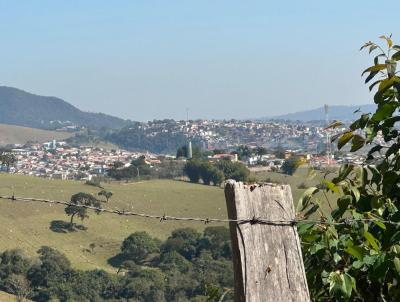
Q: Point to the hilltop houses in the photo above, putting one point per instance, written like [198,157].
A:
[57,160]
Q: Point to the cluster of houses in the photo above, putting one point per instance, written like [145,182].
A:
[58,160]
[228,134]
[272,163]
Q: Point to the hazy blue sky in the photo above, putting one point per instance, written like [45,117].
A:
[222,59]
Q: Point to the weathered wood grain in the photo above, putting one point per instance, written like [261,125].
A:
[267,259]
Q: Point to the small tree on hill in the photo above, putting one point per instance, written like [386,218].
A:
[7,159]
[217,177]
[106,194]
[192,170]
[77,201]
[233,170]
[244,152]
[291,165]
[260,151]
[206,171]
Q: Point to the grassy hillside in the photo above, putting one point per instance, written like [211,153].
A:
[26,225]
[296,182]
[10,134]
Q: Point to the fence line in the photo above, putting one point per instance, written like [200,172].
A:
[164,217]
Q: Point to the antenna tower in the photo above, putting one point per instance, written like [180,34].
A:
[328,135]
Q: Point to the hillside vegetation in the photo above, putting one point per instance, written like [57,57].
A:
[10,134]
[18,107]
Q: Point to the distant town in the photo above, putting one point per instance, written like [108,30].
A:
[221,139]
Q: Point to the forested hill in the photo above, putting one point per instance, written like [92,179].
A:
[138,139]
[18,107]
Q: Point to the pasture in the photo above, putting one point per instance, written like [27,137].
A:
[27,225]
[30,225]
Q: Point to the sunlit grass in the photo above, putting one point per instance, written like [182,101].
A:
[26,225]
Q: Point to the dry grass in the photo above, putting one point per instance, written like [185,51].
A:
[5,297]
[10,134]
[26,225]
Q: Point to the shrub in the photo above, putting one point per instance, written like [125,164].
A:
[138,246]
[184,241]
[95,182]
[233,170]
[302,186]
[192,170]
[291,164]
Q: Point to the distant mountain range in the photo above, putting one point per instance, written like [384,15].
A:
[21,108]
[342,113]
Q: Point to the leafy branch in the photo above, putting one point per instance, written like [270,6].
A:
[360,260]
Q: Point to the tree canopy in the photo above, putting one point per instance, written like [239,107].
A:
[291,164]
[77,201]
[138,246]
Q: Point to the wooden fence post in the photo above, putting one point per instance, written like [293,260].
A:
[267,259]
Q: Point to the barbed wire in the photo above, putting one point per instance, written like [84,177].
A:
[164,217]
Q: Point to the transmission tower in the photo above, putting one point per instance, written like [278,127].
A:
[328,135]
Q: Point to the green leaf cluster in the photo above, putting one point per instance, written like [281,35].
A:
[354,254]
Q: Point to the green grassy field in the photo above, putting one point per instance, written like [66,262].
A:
[26,225]
[299,178]
[294,181]
[10,134]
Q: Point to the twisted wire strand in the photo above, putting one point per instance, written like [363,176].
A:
[164,217]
